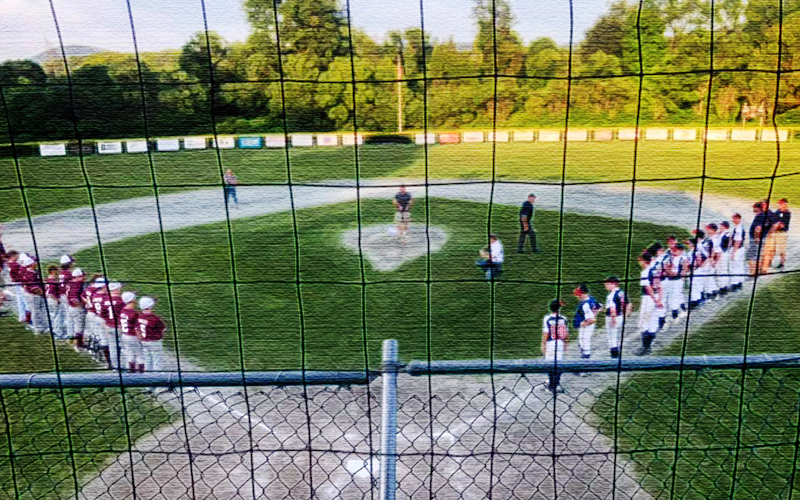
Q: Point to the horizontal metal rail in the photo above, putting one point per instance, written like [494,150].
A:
[185,379]
[628,364]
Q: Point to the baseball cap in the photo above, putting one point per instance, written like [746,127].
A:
[114,286]
[580,290]
[128,297]
[66,259]
[99,281]
[77,272]
[26,261]
[146,303]
[612,279]
[555,305]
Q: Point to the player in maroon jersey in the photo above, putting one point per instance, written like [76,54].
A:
[64,275]
[76,312]
[110,314]
[128,328]
[52,293]
[96,329]
[34,295]
[12,262]
[151,332]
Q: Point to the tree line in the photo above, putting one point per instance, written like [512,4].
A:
[253,87]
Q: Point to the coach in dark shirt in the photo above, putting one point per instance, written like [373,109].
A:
[782,216]
[526,225]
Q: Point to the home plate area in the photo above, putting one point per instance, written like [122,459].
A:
[386,249]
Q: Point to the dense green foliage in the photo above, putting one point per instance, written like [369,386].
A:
[240,83]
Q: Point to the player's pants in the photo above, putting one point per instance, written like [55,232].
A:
[723,270]
[19,295]
[132,347]
[114,349]
[554,351]
[709,279]
[738,269]
[585,339]
[76,321]
[152,349]
[93,327]
[648,318]
[35,304]
[661,312]
[63,304]
[57,317]
[492,269]
[523,234]
[612,334]
[230,192]
[676,296]
[696,285]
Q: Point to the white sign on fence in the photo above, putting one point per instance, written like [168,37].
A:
[472,136]
[275,141]
[768,135]
[603,135]
[302,140]
[684,134]
[327,140]
[549,135]
[53,149]
[194,143]
[628,134]
[523,136]
[656,134]
[580,135]
[109,148]
[429,138]
[136,146]
[168,144]
[499,136]
[224,142]
[716,135]
[352,139]
[743,135]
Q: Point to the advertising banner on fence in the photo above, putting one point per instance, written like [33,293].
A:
[603,135]
[224,142]
[499,136]
[743,135]
[523,136]
[275,141]
[449,138]
[684,134]
[249,142]
[578,135]
[194,143]
[168,144]
[351,139]
[327,140]
[472,137]
[109,148]
[136,146]
[768,135]
[656,134]
[628,134]
[53,149]
[429,138]
[302,140]
[716,135]
[549,136]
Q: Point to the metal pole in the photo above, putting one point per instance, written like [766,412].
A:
[399,93]
[389,421]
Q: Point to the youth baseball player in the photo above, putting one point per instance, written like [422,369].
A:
[648,316]
[695,257]
[151,332]
[64,275]
[76,312]
[403,201]
[128,327]
[52,295]
[738,261]
[679,268]
[14,276]
[724,263]
[585,319]
[617,309]
[659,264]
[93,329]
[111,308]
[555,335]
[99,297]
[34,295]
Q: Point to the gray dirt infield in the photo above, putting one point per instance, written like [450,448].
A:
[221,430]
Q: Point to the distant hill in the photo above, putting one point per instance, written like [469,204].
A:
[70,50]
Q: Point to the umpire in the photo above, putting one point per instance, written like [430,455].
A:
[526,225]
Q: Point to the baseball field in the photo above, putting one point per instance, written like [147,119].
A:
[343,322]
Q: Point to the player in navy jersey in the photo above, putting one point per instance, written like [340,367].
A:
[738,266]
[617,309]
[585,319]
[555,336]
[678,270]
[659,264]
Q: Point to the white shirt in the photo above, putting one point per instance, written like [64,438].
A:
[644,277]
[738,233]
[611,306]
[496,252]
[587,311]
[716,243]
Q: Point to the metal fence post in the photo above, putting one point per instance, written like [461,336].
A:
[389,421]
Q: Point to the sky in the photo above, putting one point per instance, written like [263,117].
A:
[27,26]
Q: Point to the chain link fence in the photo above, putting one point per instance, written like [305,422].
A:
[644,429]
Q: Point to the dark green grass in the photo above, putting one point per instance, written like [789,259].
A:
[394,303]
[717,406]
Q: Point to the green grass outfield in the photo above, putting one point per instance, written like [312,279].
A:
[54,184]
[710,408]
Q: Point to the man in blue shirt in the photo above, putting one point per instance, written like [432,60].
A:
[526,225]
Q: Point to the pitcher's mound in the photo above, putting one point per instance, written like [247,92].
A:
[387,251]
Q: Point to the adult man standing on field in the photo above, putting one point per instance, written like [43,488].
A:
[231,181]
[403,201]
[526,225]
[758,229]
[782,219]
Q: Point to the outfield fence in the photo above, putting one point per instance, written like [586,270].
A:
[440,429]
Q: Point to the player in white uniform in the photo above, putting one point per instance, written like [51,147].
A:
[678,269]
[585,319]
[648,315]
[738,264]
[711,247]
[696,258]
[660,264]
[724,263]
[617,308]
[555,335]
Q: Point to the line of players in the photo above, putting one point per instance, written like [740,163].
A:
[712,264]
[94,315]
